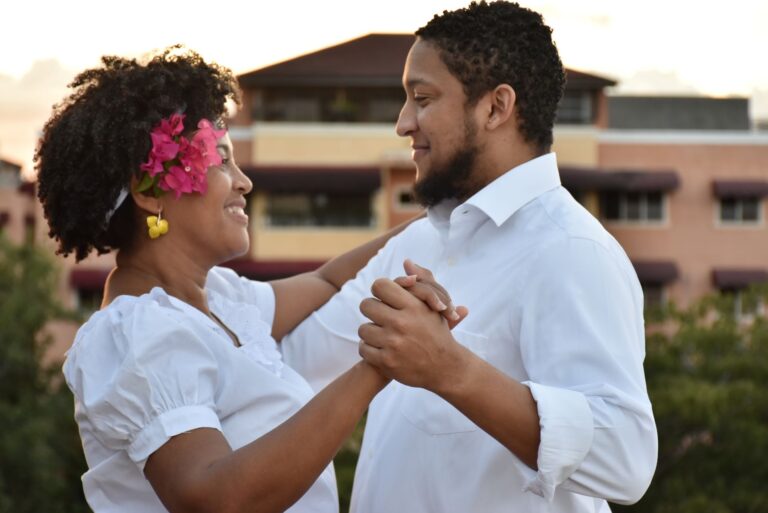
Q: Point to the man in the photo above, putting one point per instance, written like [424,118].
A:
[537,400]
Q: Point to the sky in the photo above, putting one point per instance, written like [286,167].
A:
[650,46]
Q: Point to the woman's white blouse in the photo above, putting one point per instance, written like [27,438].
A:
[147,368]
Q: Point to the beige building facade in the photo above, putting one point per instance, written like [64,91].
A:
[682,190]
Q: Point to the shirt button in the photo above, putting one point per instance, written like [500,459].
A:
[450,261]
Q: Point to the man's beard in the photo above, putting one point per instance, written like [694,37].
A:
[452,178]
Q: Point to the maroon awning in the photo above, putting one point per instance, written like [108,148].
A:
[93,279]
[581,179]
[656,272]
[341,180]
[88,279]
[740,188]
[264,270]
[733,279]
[28,188]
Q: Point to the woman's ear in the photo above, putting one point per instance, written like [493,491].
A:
[143,201]
[502,106]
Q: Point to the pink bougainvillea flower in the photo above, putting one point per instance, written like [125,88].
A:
[179,164]
[164,148]
[176,180]
[173,125]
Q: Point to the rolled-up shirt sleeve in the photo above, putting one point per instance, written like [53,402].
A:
[582,343]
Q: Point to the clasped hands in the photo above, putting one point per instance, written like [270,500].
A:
[409,337]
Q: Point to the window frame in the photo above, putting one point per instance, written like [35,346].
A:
[739,223]
[643,220]
[268,222]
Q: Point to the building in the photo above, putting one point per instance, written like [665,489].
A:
[316,136]
[705,228]
[17,203]
[678,181]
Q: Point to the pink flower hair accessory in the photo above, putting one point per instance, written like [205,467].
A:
[177,163]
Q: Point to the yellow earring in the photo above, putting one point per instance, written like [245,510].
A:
[157,225]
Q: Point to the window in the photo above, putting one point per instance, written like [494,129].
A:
[746,305]
[319,209]
[404,199]
[327,104]
[384,110]
[632,206]
[575,108]
[740,210]
[293,109]
[654,296]
[89,300]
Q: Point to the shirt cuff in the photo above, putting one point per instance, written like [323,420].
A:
[167,425]
[565,419]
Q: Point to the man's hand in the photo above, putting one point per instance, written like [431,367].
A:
[407,340]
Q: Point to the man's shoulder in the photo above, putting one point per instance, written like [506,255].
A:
[568,219]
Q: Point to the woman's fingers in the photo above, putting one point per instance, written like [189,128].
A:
[434,296]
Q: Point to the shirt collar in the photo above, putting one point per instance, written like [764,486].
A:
[501,198]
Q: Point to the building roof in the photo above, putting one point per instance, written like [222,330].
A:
[7,165]
[370,60]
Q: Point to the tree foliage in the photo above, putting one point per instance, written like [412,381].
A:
[707,373]
[40,455]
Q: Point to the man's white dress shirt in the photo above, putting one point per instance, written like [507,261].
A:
[554,302]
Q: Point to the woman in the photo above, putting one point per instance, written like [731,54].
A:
[181,396]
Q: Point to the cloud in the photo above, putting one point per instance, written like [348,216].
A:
[25,105]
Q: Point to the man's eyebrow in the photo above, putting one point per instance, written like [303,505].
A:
[413,82]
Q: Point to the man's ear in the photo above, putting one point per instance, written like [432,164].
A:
[502,102]
[145,202]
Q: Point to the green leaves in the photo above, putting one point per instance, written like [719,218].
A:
[145,183]
[707,374]
[40,455]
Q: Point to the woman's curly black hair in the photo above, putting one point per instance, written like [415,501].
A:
[99,135]
[485,45]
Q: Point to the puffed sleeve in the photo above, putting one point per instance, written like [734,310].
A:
[142,375]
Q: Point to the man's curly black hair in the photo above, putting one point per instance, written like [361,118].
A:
[99,135]
[485,45]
